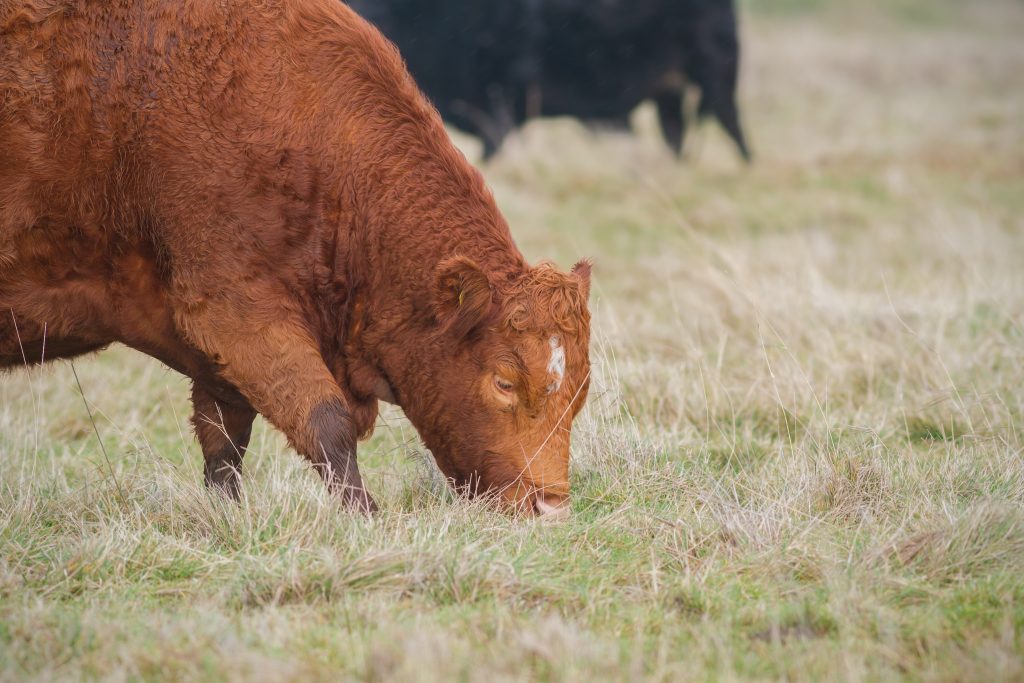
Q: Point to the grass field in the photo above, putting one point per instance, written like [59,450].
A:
[801,459]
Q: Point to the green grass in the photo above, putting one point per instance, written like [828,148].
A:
[801,459]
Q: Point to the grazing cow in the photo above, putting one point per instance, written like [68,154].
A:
[258,195]
[491,66]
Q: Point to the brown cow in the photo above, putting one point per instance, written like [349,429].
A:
[257,194]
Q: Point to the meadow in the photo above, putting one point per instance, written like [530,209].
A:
[801,458]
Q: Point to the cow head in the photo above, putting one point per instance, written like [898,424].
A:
[513,371]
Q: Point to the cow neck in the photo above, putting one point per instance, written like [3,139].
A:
[412,201]
[434,209]
[421,202]
[430,207]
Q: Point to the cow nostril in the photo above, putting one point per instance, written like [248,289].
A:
[551,507]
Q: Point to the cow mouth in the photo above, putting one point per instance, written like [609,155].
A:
[550,507]
[533,502]
[519,497]
[536,502]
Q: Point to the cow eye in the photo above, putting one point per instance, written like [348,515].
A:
[503,384]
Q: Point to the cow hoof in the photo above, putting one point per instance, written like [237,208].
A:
[226,482]
[360,501]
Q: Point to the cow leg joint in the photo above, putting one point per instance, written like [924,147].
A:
[223,431]
[333,454]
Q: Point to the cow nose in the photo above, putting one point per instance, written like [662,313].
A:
[551,507]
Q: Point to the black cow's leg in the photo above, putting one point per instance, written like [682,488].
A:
[728,115]
[481,124]
[670,116]
[723,106]
[491,145]
[223,431]
[493,134]
[736,131]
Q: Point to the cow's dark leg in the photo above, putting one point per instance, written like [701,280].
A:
[491,145]
[723,106]
[334,434]
[491,124]
[502,121]
[492,132]
[729,117]
[670,116]
[280,371]
[223,430]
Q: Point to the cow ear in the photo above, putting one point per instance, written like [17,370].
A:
[582,272]
[462,296]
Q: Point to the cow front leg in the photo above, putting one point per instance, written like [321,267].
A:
[223,430]
[280,371]
[672,121]
[334,434]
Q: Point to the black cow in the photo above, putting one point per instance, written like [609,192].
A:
[490,66]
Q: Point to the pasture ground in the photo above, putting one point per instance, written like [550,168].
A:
[802,457]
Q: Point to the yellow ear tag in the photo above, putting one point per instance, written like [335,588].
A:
[462,295]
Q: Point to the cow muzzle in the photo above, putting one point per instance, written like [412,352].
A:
[551,507]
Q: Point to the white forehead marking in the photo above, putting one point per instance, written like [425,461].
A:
[556,366]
